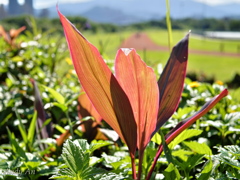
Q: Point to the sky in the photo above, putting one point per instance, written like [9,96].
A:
[38,4]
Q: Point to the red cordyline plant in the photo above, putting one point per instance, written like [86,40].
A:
[132,101]
[10,37]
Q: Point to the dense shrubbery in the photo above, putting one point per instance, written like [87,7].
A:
[39,63]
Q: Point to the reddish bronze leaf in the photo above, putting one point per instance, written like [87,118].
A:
[46,131]
[100,85]
[189,121]
[85,108]
[171,81]
[140,84]
[90,128]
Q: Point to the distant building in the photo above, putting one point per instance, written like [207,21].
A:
[14,8]
[28,7]
[3,12]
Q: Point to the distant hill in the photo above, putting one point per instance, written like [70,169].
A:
[110,15]
[130,11]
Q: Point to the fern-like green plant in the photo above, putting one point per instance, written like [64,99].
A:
[228,161]
[77,158]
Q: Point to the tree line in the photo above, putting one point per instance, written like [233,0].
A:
[209,24]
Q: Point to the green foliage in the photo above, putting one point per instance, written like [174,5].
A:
[228,161]
[171,173]
[76,156]
[17,162]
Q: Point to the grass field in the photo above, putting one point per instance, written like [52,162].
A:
[221,67]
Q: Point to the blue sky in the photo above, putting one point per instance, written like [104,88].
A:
[46,3]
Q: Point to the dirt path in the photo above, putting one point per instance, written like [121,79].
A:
[141,41]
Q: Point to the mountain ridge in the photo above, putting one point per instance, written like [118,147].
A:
[130,11]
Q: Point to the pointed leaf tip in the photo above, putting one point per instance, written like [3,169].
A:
[126,51]
[181,48]
[171,81]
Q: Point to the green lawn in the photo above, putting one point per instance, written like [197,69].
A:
[196,43]
[221,67]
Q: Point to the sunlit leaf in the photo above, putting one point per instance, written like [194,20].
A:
[186,134]
[207,170]
[171,81]
[32,128]
[98,81]
[86,108]
[60,99]
[171,173]
[140,84]
[98,144]
[201,148]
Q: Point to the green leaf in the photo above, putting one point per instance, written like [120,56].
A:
[199,148]
[46,122]
[182,154]
[98,144]
[60,99]
[32,164]
[82,144]
[233,149]
[166,150]
[149,153]
[15,145]
[233,174]
[60,128]
[22,128]
[206,172]
[61,106]
[110,176]
[16,163]
[17,59]
[31,130]
[109,161]
[229,155]
[157,139]
[171,173]
[77,158]
[182,113]
[190,163]
[4,165]
[186,134]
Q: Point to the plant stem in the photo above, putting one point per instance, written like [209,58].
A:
[169,26]
[70,124]
[133,166]
[141,154]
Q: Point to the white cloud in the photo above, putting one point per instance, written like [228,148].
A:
[218,2]
[38,4]
[46,3]
[5,2]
